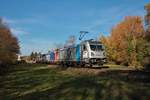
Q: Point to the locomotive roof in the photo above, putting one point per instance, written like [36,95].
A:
[91,41]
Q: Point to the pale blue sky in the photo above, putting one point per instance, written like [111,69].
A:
[41,24]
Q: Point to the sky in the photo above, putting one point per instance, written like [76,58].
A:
[41,25]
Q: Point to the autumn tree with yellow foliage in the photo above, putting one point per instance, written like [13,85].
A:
[125,45]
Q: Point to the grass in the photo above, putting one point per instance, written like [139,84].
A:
[41,82]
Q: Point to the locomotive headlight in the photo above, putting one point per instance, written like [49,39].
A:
[92,54]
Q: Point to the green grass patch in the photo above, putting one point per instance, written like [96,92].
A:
[40,82]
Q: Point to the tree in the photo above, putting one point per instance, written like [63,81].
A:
[147,16]
[123,43]
[9,47]
[133,33]
[34,56]
[146,60]
[147,20]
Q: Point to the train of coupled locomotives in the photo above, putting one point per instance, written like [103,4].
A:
[88,52]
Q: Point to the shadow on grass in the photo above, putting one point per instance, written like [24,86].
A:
[139,76]
[39,83]
[92,88]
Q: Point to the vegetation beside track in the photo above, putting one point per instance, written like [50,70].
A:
[33,82]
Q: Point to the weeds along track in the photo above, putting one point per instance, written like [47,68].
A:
[89,70]
[125,73]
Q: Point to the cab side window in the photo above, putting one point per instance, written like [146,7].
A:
[84,48]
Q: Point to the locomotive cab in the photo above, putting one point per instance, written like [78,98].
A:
[93,52]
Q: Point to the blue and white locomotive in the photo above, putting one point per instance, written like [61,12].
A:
[88,52]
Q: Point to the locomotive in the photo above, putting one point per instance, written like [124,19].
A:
[87,53]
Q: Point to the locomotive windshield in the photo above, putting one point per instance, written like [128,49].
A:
[96,47]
